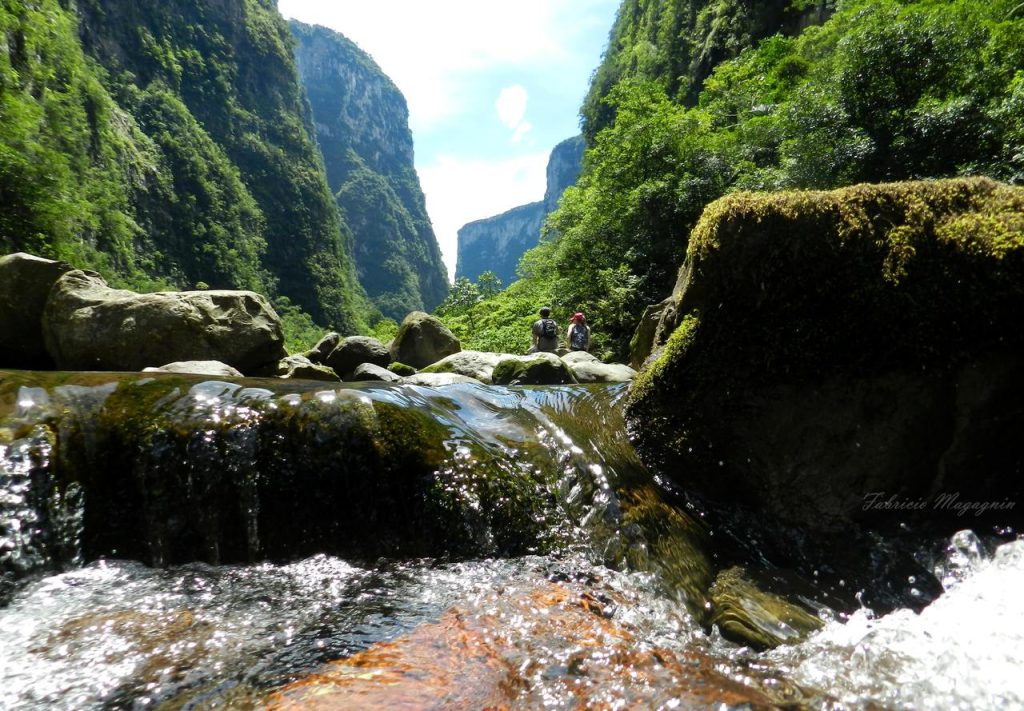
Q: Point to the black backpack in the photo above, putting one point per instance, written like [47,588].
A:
[578,339]
[548,328]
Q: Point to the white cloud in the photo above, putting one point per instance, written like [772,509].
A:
[521,130]
[511,105]
[460,191]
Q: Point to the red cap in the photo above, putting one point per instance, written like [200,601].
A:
[577,317]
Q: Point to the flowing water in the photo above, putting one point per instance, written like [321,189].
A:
[565,603]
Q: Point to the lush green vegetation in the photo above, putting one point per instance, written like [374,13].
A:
[167,145]
[884,90]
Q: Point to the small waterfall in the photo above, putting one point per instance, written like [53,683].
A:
[180,542]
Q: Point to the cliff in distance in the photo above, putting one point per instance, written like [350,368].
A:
[362,126]
[496,243]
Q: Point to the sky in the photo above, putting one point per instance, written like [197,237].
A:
[492,86]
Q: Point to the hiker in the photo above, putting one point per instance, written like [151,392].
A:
[545,333]
[577,338]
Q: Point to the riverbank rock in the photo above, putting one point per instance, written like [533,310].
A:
[198,367]
[478,365]
[369,371]
[25,283]
[323,347]
[422,339]
[433,380]
[89,326]
[829,346]
[587,371]
[298,367]
[647,333]
[533,369]
[353,351]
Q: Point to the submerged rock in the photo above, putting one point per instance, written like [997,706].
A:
[747,615]
[423,339]
[25,283]
[89,326]
[833,346]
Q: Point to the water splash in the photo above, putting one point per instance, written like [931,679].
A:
[964,651]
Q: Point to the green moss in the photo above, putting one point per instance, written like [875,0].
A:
[402,369]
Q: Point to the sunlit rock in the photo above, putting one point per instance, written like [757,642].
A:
[423,339]
[89,326]
[533,369]
[198,367]
[478,365]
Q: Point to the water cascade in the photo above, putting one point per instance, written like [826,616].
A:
[177,542]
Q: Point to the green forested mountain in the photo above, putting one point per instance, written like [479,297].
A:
[168,144]
[882,90]
[362,124]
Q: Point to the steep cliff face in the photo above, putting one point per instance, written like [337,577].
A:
[362,125]
[168,144]
[679,42]
[496,243]
[563,169]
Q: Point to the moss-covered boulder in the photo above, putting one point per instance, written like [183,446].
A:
[533,369]
[370,372]
[423,339]
[299,367]
[831,346]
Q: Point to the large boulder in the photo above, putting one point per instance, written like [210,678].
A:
[478,365]
[533,369]
[598,372]
[422,339]
[25,283]
[353,351]
[89,326]
[846,356]
[649,333]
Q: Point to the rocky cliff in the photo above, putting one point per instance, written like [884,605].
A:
[170,145]
[496,243]
[362,125]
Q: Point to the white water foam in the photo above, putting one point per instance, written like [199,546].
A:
[963,651]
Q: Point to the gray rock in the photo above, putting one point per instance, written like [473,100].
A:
[89,326]
[433,380]
[371,371]
[598,372]
[478,365]
[298,367]
[25,283]
[533,369]
[198,367]
[422,339]
[575,357]
[323,348]
[356,350]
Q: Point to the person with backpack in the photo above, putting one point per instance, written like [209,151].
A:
[577,338]
[545,333]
